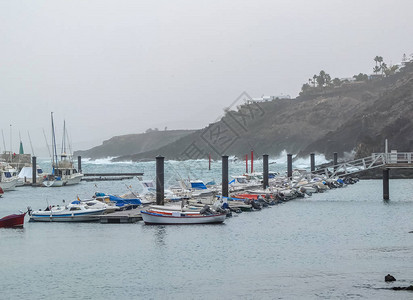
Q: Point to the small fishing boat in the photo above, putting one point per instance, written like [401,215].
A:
[73,212]
[163,217]
[8,178]
[12,221]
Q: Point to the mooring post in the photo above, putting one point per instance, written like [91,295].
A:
[289,165]
[252,161]
[386,177]
[335,160]
[265,170]
[34,170]
[312,162]
[160,180]
[209,167]
[246,163]
[224,176]
[79,164]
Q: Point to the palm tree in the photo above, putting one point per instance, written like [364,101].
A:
[376,69]
[314,79]
[383,68]
[376,59]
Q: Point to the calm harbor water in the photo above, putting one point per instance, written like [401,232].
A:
[335,245]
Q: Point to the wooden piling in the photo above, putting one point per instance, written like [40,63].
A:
[265,171]
[252,161]
[224,176]
[209,166]
[34,170]
[160,174]
[289,165]
[312,162]
[246,163]
[79,164]
[335,160]
[386,177]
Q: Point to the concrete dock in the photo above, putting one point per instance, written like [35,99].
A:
[124,216]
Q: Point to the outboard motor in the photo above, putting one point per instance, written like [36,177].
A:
[206,210]
[255,205]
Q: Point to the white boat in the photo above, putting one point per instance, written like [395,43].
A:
[73,212]
[240,183]
[172,194]
[63,168]
[26,175]
[8,178]
[66,170]
[109,207]
[181,218]
[199,189]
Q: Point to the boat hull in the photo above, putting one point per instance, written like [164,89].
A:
[9,185]
[53,183]
[12,221]
[67,217]
[162,219]
[74,179]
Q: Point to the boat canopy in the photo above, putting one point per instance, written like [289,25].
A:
[198,185]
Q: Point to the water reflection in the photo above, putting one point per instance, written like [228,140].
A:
[160,233]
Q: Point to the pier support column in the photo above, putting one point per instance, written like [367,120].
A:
[224,176]
[160,174]
[386,177]
[289,165]
[34,170]
[79,164]
[335,160]
[252,161]
[312,162]
[265,170]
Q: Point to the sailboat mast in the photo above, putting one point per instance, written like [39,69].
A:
[31,146]
[54,143]
[4,142]
[10,144]
[64,137]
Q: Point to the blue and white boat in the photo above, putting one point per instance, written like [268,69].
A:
[73,212]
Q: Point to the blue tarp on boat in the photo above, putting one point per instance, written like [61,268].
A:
[198,185]
[121,201]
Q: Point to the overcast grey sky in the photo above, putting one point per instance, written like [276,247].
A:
[118,67]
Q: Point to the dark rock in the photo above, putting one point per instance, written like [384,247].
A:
[389,278]
[403,288]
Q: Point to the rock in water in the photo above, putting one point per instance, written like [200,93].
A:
[389,278]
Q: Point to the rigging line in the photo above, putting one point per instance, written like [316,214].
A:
[47,145]
[30,140]
[4,142]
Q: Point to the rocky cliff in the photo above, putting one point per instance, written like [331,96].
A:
[355,118]
[133,143]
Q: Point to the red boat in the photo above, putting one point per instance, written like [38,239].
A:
[12,221]
[1,191]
